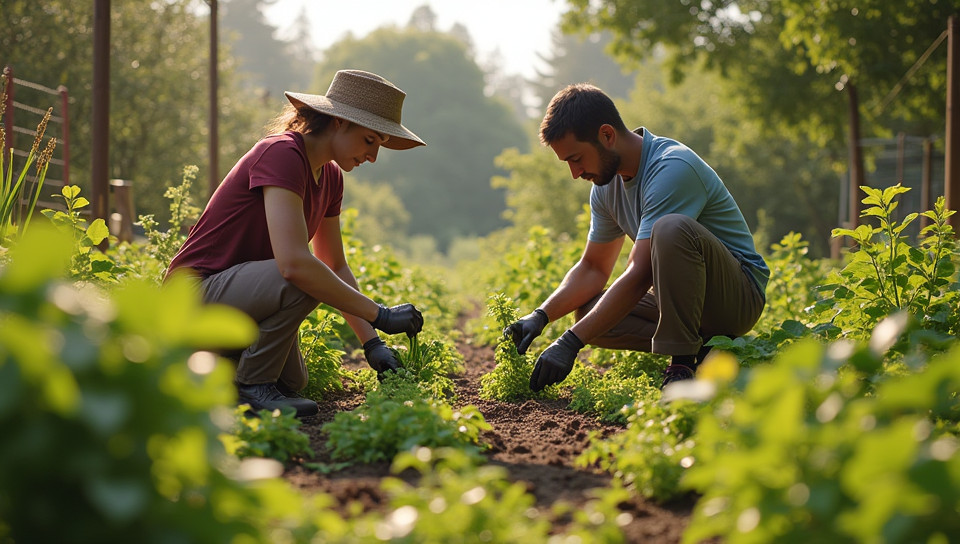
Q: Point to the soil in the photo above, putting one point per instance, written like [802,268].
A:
[535,441]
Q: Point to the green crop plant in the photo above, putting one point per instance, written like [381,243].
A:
[650,457]
[399,416]
[89,263]
[108,406]
[609,395]
[275,435]
[810,451]
[430,363]
[325,372]
[455,500]
[886,274]
[510,379]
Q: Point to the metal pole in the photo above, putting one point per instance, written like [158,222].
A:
[856,157]
[65,133]
[951,181]
[99,177]
[214,108]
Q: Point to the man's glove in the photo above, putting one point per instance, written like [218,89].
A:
[556,361]
[397,319]
[524,330]
[379,356]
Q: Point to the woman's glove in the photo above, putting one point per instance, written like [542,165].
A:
[379,356]
[396,319]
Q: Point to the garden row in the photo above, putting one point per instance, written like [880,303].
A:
[836,421]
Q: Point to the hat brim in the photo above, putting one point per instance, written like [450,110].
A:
[400,136]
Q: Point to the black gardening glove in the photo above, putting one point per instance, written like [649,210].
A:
[556,361]
[524,330]
[379,356]
[397,319]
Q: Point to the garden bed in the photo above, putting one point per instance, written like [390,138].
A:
[536,441]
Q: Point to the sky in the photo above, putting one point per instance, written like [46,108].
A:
[516,30]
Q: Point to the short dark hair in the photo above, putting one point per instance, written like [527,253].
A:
[580,108]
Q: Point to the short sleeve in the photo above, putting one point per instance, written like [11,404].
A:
[603,225]
[281,164]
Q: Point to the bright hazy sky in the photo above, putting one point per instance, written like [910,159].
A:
[517,29]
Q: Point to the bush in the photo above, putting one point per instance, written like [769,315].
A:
[106,405]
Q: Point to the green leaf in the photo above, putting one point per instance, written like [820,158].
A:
[98,231]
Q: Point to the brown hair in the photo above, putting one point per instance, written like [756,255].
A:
[580,108]
[303,120]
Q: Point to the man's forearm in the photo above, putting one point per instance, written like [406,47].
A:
[581,284]
[613,306]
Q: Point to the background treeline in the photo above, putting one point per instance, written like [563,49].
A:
[758,87]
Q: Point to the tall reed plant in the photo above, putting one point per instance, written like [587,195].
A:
[14,216]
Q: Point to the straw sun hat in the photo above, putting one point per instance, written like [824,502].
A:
[366,99]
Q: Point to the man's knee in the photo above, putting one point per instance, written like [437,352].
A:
[671,225]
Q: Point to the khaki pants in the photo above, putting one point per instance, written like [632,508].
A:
[259,290]
[700,290]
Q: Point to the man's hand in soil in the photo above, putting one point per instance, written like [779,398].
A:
[556,362]
[379,356]
[525,329]
[396,319]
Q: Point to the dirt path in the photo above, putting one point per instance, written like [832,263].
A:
[536,441]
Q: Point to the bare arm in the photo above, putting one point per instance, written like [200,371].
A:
[288,236]
[621,297]
[585,280]
[328,247]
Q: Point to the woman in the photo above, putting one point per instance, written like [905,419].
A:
[250,245]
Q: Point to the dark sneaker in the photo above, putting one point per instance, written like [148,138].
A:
[265,396]
[675,373]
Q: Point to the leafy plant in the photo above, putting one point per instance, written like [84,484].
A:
[810,452]
[510,379]
[608,395]
[886,274]
[323,360]
[652,454]
[106,409]
[430,363]
[397,418]
[457,501]
[163,245]
[87,263]
[274,434]
[12,193]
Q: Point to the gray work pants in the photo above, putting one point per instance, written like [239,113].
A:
[700,290]
[259,290]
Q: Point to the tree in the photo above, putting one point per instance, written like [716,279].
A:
[158,82]
[269,64]
[792,55]
[446,185]
[575,59]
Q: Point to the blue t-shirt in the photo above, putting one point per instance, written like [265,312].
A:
[673,179]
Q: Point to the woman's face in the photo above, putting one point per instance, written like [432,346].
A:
[354,144]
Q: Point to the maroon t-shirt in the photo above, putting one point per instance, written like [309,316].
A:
[233,227]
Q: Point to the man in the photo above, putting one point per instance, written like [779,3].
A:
[691,245]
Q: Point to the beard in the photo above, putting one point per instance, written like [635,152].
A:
[609,164]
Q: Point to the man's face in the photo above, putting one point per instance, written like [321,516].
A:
[587,160]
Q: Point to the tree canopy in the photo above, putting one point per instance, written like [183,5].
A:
[446,185]
[158,87]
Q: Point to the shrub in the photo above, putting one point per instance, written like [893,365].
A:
[106,405]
